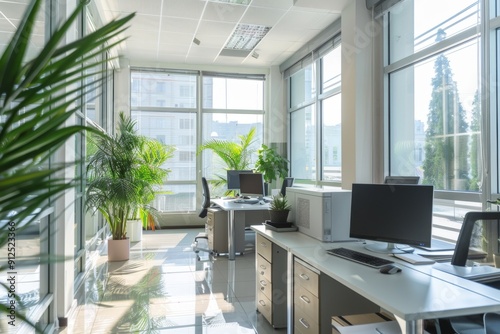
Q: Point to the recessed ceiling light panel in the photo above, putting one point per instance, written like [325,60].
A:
[246,36]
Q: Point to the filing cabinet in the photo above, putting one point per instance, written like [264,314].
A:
[216,228]
[271,281]
[305,298]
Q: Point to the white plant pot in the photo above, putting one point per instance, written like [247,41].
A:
[134,230]
[118,250]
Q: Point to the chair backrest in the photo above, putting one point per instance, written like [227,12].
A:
[287,182]
[463,242]
[206,198]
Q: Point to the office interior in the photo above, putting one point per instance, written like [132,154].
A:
[346,90]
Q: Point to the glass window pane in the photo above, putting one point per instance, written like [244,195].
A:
[230,93]
[331,70]
[434,120]
[160,89]
[332,139]
[415,25]
[302,87]
[179,130]
[303,142]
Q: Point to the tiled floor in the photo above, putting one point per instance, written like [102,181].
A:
[163,288]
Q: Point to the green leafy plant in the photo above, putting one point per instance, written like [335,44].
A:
[123,175]
[234,156]
[151,155]
[279,203]
[270,164]
[37,98]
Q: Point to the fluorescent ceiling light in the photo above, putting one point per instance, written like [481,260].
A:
[246,37]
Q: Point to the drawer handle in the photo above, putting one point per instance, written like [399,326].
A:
[263,283]
[304,277]
[262,267]
[263,244]
[305,299]
[261,302]
[304,322]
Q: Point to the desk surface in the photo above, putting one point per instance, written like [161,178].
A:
[230,204]
[418,292]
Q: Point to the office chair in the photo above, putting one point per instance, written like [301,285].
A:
[488,323]
[206,198]
[287,182]
[203,213]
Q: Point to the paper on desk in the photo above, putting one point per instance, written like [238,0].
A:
[386,327]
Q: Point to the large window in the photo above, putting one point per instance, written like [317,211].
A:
[232,106]
[165,106]
[435,116]
[315,118]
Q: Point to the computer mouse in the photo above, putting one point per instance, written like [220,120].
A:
[390,269]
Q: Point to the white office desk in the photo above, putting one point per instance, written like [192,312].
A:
[415,294]
[231,206]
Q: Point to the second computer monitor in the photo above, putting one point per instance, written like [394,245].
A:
[251,184]
[233,178]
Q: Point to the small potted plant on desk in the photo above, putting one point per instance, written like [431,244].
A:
[278,210]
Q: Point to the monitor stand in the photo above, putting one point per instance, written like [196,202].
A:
[388,248]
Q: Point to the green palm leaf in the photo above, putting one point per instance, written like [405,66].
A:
[38,97]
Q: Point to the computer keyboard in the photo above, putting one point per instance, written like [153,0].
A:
[247,200]
[362,258]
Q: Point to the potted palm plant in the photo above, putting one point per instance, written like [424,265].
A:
[151,156]
[271,164]
[279,209]
[112,183]
[234,155]
[37,100]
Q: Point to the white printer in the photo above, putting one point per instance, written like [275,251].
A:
[322,213]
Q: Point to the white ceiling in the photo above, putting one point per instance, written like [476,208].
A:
[163,30]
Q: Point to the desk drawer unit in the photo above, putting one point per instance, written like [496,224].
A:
[303,324]
[305,298]
[271,281]
[264,248]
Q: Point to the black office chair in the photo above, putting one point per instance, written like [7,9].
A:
[203,213]
[206,198]
[287,182]
[488,323]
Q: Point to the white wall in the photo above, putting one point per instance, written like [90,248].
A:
[361,144]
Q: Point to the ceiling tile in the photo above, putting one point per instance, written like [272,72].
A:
[223,12]
[279,4]
[175,24]
[263,16]
[150,7]
[190,9]
[175,38]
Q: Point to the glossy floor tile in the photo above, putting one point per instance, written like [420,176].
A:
[164,288]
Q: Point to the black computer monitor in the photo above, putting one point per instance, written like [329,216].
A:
[393,214]
[251,184]
[233,178]
[402,179]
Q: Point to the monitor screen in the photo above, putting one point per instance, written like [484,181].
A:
[233,178]
[402,179]
[392,213]
[251,184]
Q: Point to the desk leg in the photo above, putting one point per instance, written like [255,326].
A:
[411,327]
[230,235]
